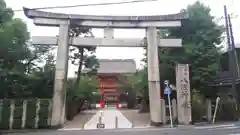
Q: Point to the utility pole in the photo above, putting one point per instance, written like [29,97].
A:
[234,49]
[232,64]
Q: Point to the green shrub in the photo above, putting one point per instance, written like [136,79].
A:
[43,114]
[31,113]
[227,111]
[1,109]
[198,106]
[4,123]
[17,115]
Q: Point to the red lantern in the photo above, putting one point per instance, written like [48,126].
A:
[101,104]
[118,106]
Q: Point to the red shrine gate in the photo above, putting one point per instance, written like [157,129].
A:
[108,72]
[108,88]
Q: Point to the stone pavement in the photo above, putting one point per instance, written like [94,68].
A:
[80,120]
[109,116]
[137,119]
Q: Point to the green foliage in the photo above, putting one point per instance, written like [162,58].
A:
[82,56]
[198,106]
[13,36]
[17,118]
[31,113]
[137,82]
[201,37]
[78,94]
[4,123]
[228,111]
[20,76]
[140,82]
[85,89]
[44,114]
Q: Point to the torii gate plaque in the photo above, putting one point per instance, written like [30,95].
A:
[63,21]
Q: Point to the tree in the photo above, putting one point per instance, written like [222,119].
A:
[37,54]
[201,37]
[78,94]
[142,88]
[13,37]
[137,84]
[82,55]
[43,78]
[84,91]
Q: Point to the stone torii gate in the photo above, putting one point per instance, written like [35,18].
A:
[64,21]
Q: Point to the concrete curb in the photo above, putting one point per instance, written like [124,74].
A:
[55,128]
[27,130]
[198,126]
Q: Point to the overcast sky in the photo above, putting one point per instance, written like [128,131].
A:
[158,7]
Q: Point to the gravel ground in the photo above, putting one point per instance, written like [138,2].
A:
[137,119]
[80,119]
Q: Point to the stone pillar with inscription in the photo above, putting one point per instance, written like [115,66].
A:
[184,108]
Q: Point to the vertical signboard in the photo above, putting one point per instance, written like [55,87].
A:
[183,94]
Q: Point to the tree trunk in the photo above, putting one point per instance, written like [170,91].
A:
[81,105]
[131,99]
[144,108]
[80,50]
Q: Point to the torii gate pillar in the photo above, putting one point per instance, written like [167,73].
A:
[60,81]
[153,77]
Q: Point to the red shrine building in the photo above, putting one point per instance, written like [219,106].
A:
[108,74]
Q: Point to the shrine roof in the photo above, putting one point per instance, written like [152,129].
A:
[33,13]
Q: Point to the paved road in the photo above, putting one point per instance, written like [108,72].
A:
[230,129]
[109,119]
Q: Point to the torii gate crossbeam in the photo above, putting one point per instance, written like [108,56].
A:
[105,42]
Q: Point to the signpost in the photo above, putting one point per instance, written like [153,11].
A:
[167,91]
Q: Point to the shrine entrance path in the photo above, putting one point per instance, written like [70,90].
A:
[80,120]
[109,116]
[139,120]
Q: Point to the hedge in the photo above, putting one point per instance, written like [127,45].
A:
[5,114]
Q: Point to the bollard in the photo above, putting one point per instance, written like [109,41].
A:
[116,122]
[100,117]
[100,123]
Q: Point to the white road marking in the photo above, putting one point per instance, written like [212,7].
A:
[216,126]
[109,120]
[70,129]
